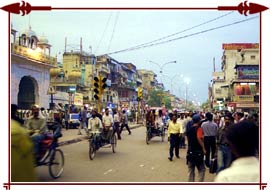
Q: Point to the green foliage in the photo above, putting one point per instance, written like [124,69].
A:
[157,97]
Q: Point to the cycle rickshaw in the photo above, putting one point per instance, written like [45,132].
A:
[97,140]
[49,154]
[152,131]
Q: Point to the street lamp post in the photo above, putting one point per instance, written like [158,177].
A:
[161,66]
[171,80]
[187,81]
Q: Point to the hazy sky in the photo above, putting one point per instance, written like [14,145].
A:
[110,31]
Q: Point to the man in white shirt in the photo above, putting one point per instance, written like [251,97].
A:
[116,120]
[107,121]
[243,139]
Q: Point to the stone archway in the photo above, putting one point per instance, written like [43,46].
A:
[28,92]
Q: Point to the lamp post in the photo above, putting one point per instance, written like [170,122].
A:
[172,78]
[161,66]
[187,81]
[51,91]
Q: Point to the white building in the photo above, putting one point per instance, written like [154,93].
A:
[30,70]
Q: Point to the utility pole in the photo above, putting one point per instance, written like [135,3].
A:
[139,98]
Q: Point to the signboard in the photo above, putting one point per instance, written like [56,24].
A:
[72,89]
[244,98]
[109,82]
[51,90]
[78,99]
[248,72]
[246,105]
[236,46]
[110,105]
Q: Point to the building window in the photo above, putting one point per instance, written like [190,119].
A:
[252,57]
[218,91]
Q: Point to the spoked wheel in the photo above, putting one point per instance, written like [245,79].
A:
[148,136]
[56,164]
[92,151]
[162,134]
[113,143]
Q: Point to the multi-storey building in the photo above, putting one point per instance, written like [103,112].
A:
[73,79]
[30,66]
[237,86]
[149,81]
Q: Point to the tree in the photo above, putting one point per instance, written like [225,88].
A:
[157,97]
[205,105]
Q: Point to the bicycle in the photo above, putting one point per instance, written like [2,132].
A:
[96,141]
[49,154]
[151,132]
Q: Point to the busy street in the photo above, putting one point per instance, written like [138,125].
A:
[133,161]
[136,101]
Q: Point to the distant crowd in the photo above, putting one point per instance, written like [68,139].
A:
[226,143]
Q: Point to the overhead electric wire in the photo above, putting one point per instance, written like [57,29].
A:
[181,37]
[102,36]
[162,38]
[114,26]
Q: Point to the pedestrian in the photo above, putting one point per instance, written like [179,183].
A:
[125,122]
[66,119]
[13,114]
[196,150]
[255,118]
[243,139]
[210,129]
[173,136]
[36,126]
[88,116]
[238,117]
[224,154]
[107,121]
[116,121]
[83,119]
[22,157]
[180,120]
[158,120]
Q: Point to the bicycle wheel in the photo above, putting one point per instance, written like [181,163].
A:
[162,134]
[113,143]
[56,164]
[148,133]
[92,151]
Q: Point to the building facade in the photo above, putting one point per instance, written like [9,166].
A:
[237,86]
[30,69]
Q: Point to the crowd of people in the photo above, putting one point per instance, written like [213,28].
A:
[231,138]
[109,122]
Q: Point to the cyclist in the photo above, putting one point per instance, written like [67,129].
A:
[36,126]
[94,123]
[150,120]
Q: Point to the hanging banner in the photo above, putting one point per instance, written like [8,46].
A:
[78,99]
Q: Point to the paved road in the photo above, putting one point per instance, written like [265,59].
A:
[134,161]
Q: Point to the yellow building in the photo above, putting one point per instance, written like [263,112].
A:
[149,80]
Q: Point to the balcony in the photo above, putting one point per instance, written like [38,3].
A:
[33,54]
